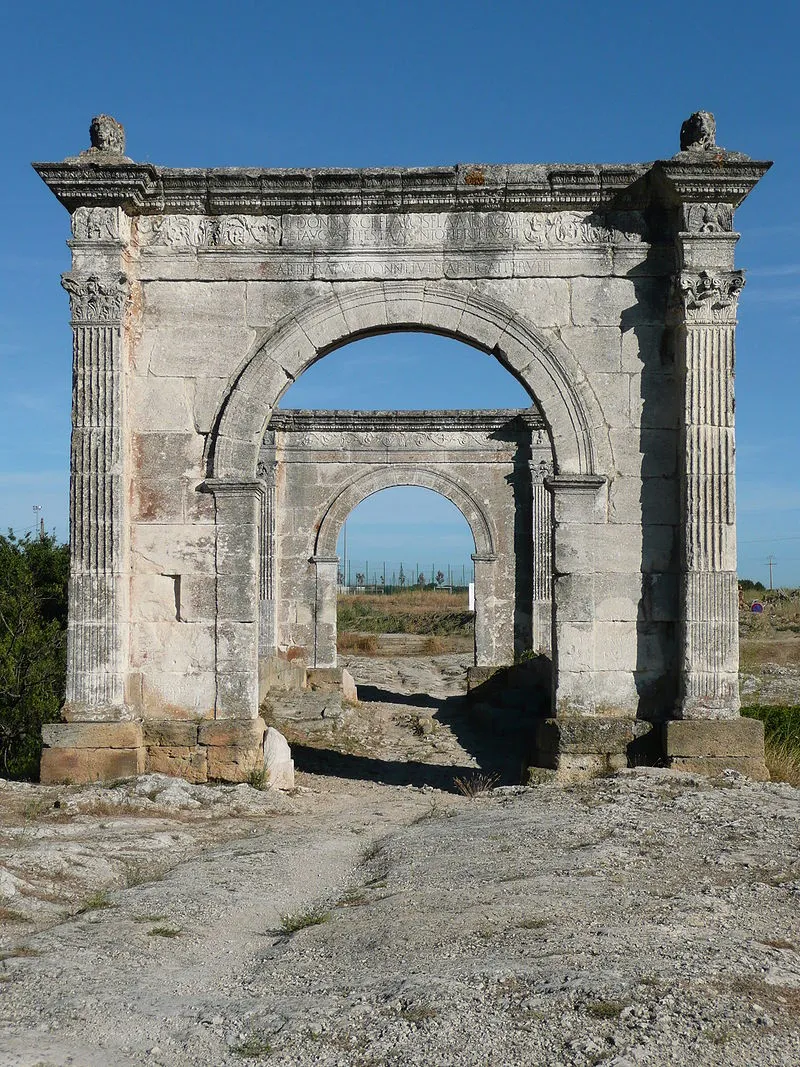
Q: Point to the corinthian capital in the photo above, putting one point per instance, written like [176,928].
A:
[709,296]
[96,301]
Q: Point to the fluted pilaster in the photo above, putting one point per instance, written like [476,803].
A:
[97,641]
[709,615]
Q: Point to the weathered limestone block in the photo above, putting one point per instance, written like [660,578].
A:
[325,679]
[276,674]
[169,733]
[729,737]
[224,733]
[714,765]
[349,690]
[712,746]
[179,761]
[179,695]
[278,762]
[92,735]
[584,735]
[234,763]
[80,765]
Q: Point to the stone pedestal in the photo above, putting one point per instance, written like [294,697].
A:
[80,752]
[712,746]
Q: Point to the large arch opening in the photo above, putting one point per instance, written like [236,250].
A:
[406,578]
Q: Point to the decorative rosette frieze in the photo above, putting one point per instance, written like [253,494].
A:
[96,301]
[709,297]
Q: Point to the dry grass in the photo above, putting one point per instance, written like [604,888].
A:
[783,761]
[414,602]
[361,644]
[476,784]
[755,651]
[433,646]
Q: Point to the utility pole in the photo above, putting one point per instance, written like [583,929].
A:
[38,520]
[770,564]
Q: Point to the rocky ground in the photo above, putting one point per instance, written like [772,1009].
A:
[646,918]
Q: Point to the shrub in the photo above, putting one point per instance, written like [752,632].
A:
[781,722]
[34,574]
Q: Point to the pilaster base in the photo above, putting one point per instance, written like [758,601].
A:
[582,747]
[710,746]
[81,752]
[226,750]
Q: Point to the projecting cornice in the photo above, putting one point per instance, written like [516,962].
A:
[717,177]
[142,189]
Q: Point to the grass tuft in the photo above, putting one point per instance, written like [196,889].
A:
[604,1009]
[476,784]
[255,1046]
[164,931]
[95,902]
[291,922]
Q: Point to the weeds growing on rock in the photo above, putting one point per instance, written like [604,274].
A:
[418,1013]
[476,784]
[164,931]
[255,1046]
[291,922]
[95,902]
[532,923]
[352,898]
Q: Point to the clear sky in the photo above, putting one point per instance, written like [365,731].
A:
[412,83]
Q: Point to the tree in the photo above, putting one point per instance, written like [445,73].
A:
[359,578]
[440,578]
[421,580]
[33,622]
[401,578]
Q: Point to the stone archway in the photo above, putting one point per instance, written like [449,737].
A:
[544,366]
[326,561]
[198,296]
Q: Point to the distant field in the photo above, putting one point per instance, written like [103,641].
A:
[426,612]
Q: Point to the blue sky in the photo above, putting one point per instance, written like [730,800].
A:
[367,84]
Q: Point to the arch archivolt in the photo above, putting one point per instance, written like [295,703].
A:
[374,481]
[543,365]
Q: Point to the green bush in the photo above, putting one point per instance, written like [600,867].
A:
[781,722]
[34,574]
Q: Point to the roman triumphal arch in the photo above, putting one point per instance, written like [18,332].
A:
[204,519]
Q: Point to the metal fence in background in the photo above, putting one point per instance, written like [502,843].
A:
[357,576]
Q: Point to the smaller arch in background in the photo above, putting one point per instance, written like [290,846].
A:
[390,478]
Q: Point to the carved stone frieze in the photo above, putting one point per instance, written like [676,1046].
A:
[708,218]
[581,228]
[100,224]
[96,301]
[710,296]
[202,231]
[340,232]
